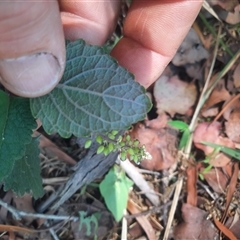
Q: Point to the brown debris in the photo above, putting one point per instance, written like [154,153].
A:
[159,142]
[194,225]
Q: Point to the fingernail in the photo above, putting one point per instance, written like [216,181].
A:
[31,76]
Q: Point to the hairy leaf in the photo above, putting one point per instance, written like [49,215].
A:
[25,176]
[95,95]
[114,188]
[16,124]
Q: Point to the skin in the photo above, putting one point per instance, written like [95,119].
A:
[32,51]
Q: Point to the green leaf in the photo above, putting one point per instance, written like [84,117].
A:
[25,176]
[180,125]
[184,139]
[16,124]
[114,188]
[95,95]
[235,153]
[100,149]
[88,143]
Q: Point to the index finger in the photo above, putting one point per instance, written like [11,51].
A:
[153,31]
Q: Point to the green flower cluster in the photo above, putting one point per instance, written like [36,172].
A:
[127,147]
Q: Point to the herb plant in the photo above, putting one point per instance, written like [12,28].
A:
[95,95]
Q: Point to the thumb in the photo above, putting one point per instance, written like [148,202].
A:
[32,48]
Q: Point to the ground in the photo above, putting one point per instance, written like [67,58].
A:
[190,187]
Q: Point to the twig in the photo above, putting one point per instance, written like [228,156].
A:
[149,172]
[19,214]
[173,208]
[150,211]
[124,227]
[54,235]
[138,179]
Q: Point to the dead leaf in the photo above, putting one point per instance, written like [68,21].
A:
[24,203]
[211,133]
[233,126]
[219,94]
[231,190]
[232,104]
[235,227]
[159,142]
[194,225]
[216,179]
[173,95]
[192,185]
[142,220]
[233,17]
[236,76]
[224,230]
[54,151]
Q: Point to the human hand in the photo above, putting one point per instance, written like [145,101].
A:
[32,46]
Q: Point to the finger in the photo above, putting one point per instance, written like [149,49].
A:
[94,21]
[32,47]
[153,31]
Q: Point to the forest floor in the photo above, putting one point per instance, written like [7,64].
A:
[190,189]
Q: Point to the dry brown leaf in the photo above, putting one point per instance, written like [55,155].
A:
[142,220]
[211,133]
[173,95]
[234,106]
[211,112]
[54,151]
[236,76]
[235,226]
[24,203]
[231,190]
[216,179]
[192,185]
[233,126]
[224,230]
[159,142]
[194,225]
[219,94]
[234,17]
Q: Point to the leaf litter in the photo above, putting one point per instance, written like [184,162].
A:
[207,206]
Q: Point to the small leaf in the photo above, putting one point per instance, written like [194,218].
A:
[180,125]
[184,139]
[16,124]
[88,143]
[95,95]
[123,155]
[111,136]
[106,151]
[114,188]
[128,138]
[99,139]
[100,149]
[235,153]
[25,176]
[114,132]
[130,151]
[110,147]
